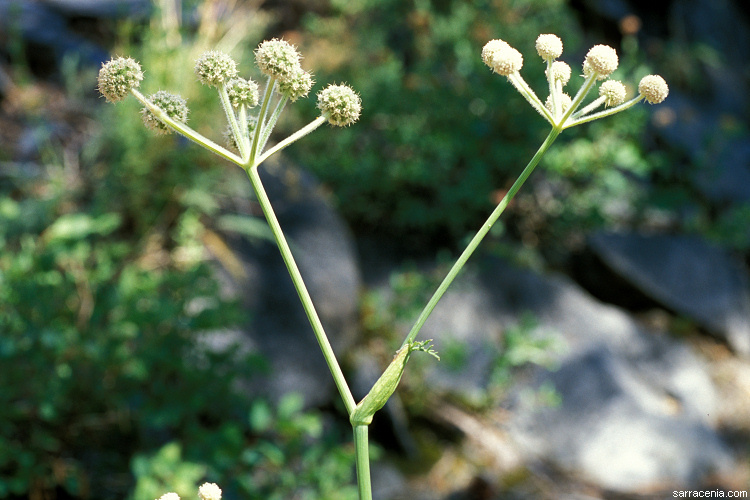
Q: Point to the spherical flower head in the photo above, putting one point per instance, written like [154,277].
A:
[549,47]
[298,85]
[277,58]
[560,71]
[241,91]
[564,103]
[118,76]
[340,104]
[214,68]
[175,107]
[501,57]
[170,496]
[602,60]
[653,88]
[209,491]
[613,92]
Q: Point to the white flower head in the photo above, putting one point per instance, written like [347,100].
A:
[214,68]
[297,85]
[340,104]
[118,76]
[241,91]
[549,46]
[209,491]
[277,58]
[602,60]
[614,92]
[501,57]
[173,105]
[653,88]
[560,71]
[170,496]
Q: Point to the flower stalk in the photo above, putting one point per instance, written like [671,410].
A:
[339,105]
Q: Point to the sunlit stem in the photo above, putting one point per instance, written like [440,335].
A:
[242,118]
[272,121]
[553,96]
[295,136]
[239,138]
[520,84]
[362,460]
[579,97]
[304,295]
[254,148]
[474,243]
[588,108]
[602,114]
[186,131]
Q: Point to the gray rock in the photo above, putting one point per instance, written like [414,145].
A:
[637,408]
[45,27]
[278,327]
[687,275]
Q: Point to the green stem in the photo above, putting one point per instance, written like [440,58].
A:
[187,131]
[295,136]
[268,127]
[299,284]
[254,148]
[239,138]
[474,243]
[601,114]
[362,457]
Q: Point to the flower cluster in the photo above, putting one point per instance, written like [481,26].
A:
[164,112]
[118,76]
[560,109]
[208,491]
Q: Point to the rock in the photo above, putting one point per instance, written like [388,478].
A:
[45,31]
[278,327]
[687,275]
[637,409]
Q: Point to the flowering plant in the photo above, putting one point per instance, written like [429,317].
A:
[339,105]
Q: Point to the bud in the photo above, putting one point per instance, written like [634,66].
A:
[298,85]
[241,91]
[209,491]
[173,105]
[549,47]
[501,57]
[565,102]
[653,88]
[602,60]
[277,58]
[560,71]
[340,104]
[118,76]
[215,68]
[613,92]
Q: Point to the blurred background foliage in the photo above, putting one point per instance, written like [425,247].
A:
[105,285]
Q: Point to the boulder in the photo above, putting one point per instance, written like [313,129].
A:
[684,274]
[637,409]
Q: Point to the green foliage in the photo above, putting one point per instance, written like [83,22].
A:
[100,346]
[522,345]
[442,132]
[277,453]
[165,471]
[295,456]
[105,301]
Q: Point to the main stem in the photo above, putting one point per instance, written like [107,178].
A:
[362,457]
[299,284]
[474,243]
